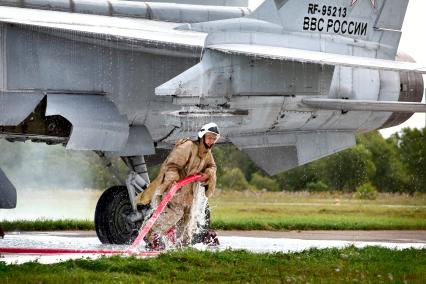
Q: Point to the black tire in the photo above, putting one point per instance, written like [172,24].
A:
[112,226]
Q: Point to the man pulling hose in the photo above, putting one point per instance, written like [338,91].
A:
[187,158]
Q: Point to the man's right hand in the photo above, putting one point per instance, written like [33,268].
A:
[204,177]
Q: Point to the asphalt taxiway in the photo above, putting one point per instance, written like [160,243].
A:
[255,241]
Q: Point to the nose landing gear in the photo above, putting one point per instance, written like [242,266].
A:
[111,217]
[117,220]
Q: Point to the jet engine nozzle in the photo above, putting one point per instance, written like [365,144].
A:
[411,90]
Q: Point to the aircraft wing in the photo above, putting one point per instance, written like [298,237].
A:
[139,31]
[165,35]
[299,55]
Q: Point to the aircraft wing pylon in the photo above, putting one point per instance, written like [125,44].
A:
[364,105]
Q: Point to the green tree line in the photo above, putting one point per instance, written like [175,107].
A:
[396,164]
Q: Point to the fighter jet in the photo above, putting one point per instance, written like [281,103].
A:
[288,83]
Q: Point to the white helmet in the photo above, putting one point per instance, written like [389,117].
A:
[209,128]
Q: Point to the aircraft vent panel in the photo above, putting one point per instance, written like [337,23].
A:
[139,143]
[16,107]
[274,159]
[278,152]
[312,146]
[97,124]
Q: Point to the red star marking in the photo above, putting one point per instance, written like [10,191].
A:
[372,2]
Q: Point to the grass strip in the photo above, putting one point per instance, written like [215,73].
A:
[292,225]
[338,221]
[47,225]
[297,211]
[306,223]
[366,265]
[287,211]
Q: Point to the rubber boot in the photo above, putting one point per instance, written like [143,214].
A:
[155,243]
[171,235]
[210,238]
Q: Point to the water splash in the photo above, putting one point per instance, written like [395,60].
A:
[197,219]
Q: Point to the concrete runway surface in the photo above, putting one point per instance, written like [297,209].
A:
[255,241]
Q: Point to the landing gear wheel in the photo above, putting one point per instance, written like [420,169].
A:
[111,222]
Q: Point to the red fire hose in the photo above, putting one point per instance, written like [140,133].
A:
[133,249]
[157,212]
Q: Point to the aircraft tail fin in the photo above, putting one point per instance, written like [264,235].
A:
[374,21]
[384,14]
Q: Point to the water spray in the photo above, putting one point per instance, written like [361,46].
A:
[133,249]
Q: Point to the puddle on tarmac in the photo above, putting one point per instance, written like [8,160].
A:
[259,245]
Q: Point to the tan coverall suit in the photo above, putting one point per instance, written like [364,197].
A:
[187,158]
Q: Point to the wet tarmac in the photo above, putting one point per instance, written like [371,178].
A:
[263,242]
